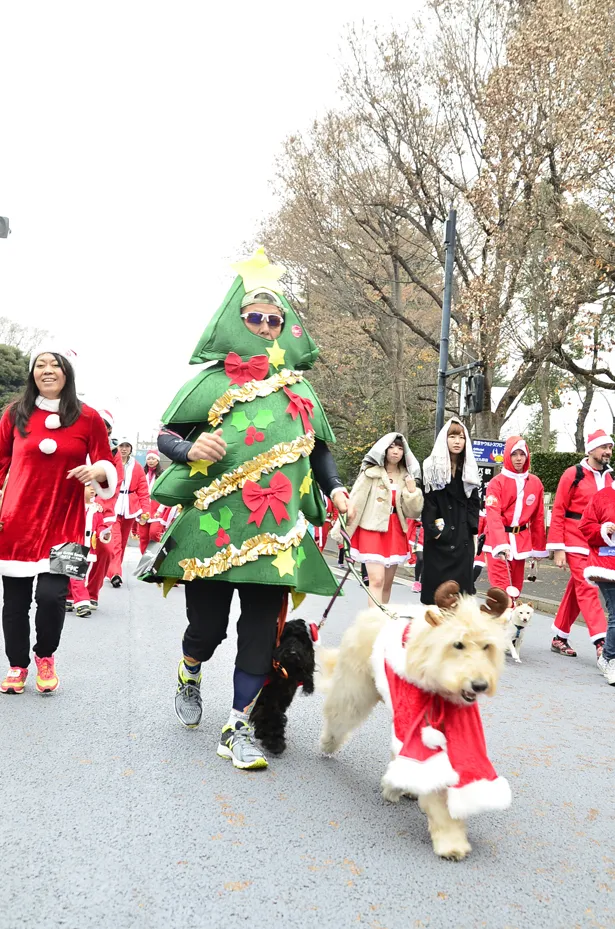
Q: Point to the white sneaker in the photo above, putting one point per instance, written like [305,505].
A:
[602,664]
[609,671]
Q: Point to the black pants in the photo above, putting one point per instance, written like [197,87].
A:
[208,604]
[50,596]
[418,566]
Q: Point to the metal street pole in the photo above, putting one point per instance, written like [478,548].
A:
[449,241]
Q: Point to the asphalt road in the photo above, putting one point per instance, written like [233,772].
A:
[115,816]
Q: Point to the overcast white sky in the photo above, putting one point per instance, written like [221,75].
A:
[137,142]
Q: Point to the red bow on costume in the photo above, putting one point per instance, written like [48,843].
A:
[240,372]
[300,406]
[260,499]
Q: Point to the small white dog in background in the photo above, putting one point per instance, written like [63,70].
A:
[518,622]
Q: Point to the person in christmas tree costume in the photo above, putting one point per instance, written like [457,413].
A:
[247,438]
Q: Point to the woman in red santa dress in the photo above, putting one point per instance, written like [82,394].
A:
[148,532]
[46,437]
[515,519]
[132,503]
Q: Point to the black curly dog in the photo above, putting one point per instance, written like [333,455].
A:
[294,654]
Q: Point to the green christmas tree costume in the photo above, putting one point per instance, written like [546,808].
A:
[244,519]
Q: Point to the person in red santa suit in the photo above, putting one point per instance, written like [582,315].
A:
[598,529]
[97,538]
[99,568]
[515,523]
[148,532]
[133,503]
[480,558]
[416,544]
[47,437]
[576,488]
[321,533]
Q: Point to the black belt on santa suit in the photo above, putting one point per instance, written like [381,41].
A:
[516,529]
[571,515]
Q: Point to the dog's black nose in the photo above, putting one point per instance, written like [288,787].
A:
[479,687]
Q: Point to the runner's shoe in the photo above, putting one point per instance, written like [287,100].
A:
[599,660]
[602,664]
[116,581]
[417,587]
[15,681]
[94,604]
[69,606]
[188,703]
[83,611]
[562,648]
[239,745]
[609,672]
[46,677]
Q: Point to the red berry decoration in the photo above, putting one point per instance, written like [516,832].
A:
[222,538]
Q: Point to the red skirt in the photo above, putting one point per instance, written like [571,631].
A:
[386,548]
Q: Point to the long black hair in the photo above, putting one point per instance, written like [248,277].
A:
[70,405]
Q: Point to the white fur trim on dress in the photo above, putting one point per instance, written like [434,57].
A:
[569,549]
[53,421]
[48,446]
[432,738]
[105,493]
[24,568]
[479,797]
[420,777]
[608,538]
[378,559]
[598,573]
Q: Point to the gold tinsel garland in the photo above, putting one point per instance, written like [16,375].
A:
[280,454]
[267,543]
[249,392]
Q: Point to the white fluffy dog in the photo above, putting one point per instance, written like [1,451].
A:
[429,672]
[519,620]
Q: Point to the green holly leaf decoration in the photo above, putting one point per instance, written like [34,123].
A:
[301,556]
[263,418]
[209,524]
[226,514]
[240,421]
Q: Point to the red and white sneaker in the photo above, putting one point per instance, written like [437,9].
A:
[561,647]
[417,587]
[15,681]
[46,677]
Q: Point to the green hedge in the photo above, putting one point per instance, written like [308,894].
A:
[549,466]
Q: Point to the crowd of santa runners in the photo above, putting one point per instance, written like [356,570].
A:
[69,486]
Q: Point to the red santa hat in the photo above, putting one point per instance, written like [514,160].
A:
[66,353]
[596,439]
[153,453]
[108,418]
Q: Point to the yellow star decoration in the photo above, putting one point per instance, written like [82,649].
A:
[276,355]
[306,484]
[199,467]
[284,562]
[257,272]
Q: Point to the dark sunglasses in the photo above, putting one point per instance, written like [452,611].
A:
[272,319]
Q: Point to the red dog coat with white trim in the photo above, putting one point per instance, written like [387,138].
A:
[438,744]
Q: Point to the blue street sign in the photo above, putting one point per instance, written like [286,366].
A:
[487,452]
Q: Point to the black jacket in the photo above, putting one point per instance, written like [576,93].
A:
[449,552]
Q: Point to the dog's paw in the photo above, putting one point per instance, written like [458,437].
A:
[451,849]
[328,744]
[391,794]
[517,660]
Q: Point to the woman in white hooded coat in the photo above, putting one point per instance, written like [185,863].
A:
[384,496]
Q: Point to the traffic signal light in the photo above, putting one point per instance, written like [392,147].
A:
[4,227]
[475,393]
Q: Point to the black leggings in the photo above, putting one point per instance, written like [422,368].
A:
[50,596]
[418,566]
[208,605]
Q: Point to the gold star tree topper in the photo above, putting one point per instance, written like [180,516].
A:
[258,272]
